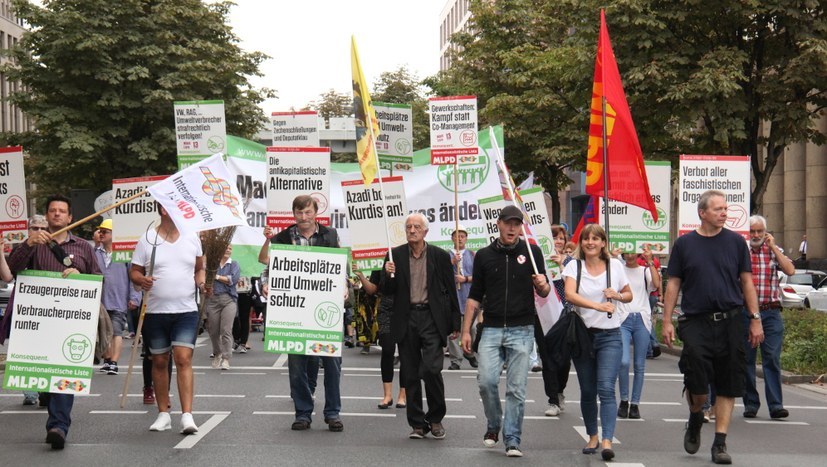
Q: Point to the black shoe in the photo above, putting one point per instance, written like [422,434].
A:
[623,410]
[607,454]
[634,412]
[719,454]
[750,413]
[453,366]
[56,437]
[780,413]
[692,437]
[334,424]
[656,352]
[472,360]
[385,405]
[300,425]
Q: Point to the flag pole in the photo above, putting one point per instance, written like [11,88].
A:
[456,218]
[92,216]
[372,148]
[507,176]
[601,50]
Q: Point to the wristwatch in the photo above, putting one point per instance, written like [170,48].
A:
[756,315]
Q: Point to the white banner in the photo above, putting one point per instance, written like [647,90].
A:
[369,231]
[395,141]
[729,174]
[305,306]
[294,172]
[295,129]
[453,122]
[53,331]
[134,218]
[13,218]
[633,228]
[201,197]
[200,127]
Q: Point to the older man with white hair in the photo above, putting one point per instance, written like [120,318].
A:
[425,312]
[767,260]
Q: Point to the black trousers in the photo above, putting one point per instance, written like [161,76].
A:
[555,378]
[386,362]
[421,358]
[241,326]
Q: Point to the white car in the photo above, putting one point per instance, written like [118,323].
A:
[794,288]
[817,298]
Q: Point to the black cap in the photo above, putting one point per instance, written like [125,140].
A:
[511,212]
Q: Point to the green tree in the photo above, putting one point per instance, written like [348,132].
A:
[99,79]
[403,87]
[333,104]
[531,75]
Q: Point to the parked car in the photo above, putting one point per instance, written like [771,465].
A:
[817,298]
[794,288]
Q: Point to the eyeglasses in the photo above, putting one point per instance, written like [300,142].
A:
[37,228]
[104,231]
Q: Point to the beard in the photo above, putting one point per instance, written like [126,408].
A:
[755,243]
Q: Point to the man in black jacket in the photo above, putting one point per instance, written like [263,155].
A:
[304,369]
[425,312]
[504,282]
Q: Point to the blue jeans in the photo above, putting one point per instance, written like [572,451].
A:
[633,331]
[597,376]
[300,385]
[60,410]
[512,347]
[773,325]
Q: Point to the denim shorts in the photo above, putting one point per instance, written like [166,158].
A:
[163,331]
[118,319]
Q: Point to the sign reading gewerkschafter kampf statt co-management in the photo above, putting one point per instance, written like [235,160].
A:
[53,331]
[305,306]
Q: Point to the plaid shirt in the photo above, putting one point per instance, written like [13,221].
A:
[765,274]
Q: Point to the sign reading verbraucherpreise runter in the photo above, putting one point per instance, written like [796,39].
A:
[53,332]
[305,304]
[200,127]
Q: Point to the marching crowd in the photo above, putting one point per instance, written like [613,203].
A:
[480,306]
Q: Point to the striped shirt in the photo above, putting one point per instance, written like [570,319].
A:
[41,258]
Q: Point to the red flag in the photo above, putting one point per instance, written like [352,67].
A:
[589,217]
[626,172]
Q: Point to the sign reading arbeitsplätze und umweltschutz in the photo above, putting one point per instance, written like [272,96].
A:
[293,172]
[295,129]
[395,141]
[369,228]
[729,174]
[133,219]
[200,127]
[13,222]
[53,330]
[305,306]
[453,128]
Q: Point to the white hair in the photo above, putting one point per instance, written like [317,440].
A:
[421,217]
[758,219]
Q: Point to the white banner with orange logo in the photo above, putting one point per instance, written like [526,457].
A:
[728,174]
[366,219]
[201,197]
[13,222]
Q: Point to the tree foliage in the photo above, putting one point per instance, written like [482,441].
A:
[99,79]
[333,104]
[403,87]
[701,76]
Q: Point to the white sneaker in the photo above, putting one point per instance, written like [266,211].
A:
[562,402]
[216,363]
[162,423]
[553,410]
[242,349]
[188,425]
[225,364]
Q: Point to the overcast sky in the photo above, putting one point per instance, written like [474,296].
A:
[309,42]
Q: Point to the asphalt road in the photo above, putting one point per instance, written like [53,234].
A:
[244,416]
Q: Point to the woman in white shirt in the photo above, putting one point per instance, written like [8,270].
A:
[597,373]
[635,330]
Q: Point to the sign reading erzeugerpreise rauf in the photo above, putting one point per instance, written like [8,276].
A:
[53,332]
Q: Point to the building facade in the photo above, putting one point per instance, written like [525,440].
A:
[11,30]
[453,19]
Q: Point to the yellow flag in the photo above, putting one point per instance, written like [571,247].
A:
[365,115]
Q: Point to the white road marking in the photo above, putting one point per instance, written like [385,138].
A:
[775,422]
[190,440]
[503,400]
[217,396]
[461,416]
[280,361]
[119,412]
[24,412]
[540,417]
[581,430]
[276,413]
[240,373]
[357,414]
[675,420]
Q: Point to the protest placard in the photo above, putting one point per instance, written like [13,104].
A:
[53,331]
[293,172]
[134,218]
[369,227]
[395,141]
[200,127]
[305,305]
[729,174]
[13,218]
[295,129]
[453,122]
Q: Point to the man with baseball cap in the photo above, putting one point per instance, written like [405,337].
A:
[463,261]
[504,281]
[118,295]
